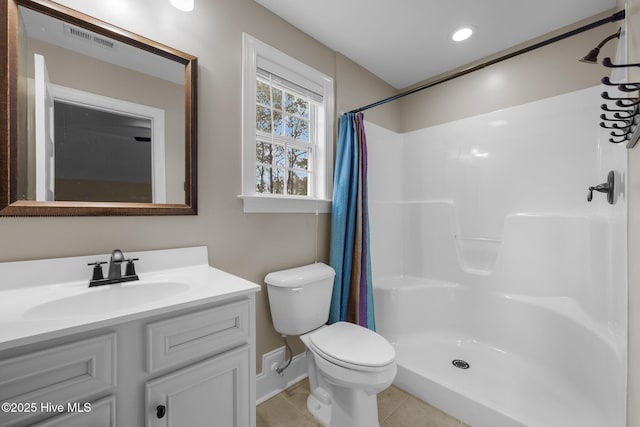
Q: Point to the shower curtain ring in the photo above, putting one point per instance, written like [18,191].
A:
[629,115]
[615,126]
[616,118]
[624,138]
[617,112]
[607,63]
[629,87]
[606,81]
[625,87]
[605,95]
[634,102]
[619,135]
[605,107]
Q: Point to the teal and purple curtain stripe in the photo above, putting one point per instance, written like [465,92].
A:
[352,299]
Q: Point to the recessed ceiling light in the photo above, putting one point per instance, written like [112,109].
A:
[462,33]
[184,5]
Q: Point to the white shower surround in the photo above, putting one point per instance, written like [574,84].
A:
[484,248]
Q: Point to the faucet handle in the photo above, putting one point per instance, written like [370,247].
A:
[131,269]
[97,270]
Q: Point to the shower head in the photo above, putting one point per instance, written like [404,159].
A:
[592,56]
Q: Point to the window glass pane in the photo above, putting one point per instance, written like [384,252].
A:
[263,119]
[277,181]
[297,158]
[269,180]
[277,99]
[277,123]
[297,183]
[295,105]
[263,94]
[278,156]
[264,153]
[297,128]
[270,154]
[263,185]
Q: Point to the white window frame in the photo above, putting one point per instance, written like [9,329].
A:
[257,54]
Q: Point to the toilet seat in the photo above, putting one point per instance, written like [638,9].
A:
[352,346]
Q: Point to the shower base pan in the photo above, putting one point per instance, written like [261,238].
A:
[486,387]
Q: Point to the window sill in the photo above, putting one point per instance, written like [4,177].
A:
[275,204]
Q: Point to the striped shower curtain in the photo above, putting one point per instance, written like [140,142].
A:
[352,299]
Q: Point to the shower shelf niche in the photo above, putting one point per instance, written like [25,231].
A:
[478,254]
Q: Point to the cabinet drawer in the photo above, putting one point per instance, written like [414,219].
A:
[59,375]
[192,336]
[101,413]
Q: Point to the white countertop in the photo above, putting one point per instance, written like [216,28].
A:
[48,310]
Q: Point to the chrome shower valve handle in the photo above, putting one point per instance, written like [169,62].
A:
[607,187]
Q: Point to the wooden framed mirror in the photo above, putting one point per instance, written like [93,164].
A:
[95,120]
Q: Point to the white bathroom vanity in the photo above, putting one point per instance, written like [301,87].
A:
[176,347]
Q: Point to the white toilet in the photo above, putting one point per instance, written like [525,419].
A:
[347,364]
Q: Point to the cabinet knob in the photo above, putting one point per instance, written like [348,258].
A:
[161,410]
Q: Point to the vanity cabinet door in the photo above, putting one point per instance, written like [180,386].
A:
[210,393]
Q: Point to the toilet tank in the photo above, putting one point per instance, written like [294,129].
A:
[300,297]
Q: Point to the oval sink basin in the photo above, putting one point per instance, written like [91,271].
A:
[106,298]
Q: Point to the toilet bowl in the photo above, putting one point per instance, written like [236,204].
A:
[347,364]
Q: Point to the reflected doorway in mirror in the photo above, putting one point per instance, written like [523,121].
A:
[106,149]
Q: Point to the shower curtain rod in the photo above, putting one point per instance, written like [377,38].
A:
[613,18]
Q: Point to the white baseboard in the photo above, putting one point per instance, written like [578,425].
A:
[269,383]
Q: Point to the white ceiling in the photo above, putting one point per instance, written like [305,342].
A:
[407,41]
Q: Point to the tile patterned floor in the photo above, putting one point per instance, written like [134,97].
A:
[396,408]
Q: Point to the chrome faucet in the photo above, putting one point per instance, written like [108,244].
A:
[115,270]
[115,264]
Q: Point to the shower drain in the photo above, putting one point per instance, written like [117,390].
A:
[460,364]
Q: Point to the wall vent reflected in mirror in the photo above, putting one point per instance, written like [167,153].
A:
[105,119]
[72,31]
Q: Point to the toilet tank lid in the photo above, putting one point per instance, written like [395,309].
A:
[300,276]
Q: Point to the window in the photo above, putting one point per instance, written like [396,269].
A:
[287,133]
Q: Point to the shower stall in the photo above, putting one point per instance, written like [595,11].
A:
[501,287]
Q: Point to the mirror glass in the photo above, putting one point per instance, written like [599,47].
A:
[104,117]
